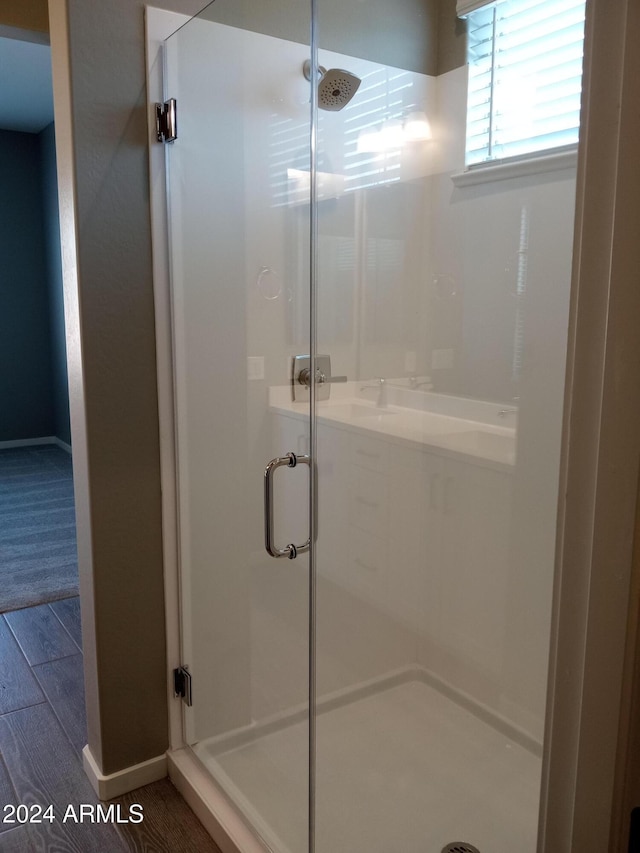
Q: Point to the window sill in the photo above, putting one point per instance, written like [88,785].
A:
[516,168]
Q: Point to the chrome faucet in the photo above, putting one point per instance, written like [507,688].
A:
[381,385]
[415,382]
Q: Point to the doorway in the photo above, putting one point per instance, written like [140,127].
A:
[38,558]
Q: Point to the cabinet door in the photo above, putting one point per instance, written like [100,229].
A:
[474,576]
[333,503]
[413,590]
[368,488]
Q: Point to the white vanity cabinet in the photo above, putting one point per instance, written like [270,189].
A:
[467,632]
[448,565]
[415,540]
[415,522]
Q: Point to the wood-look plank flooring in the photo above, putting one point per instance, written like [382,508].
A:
[42,732]
[16,840]
[60,679]
[167,816]
[44,769]
[68,612]
[18,686]
[6,793]
[40,634]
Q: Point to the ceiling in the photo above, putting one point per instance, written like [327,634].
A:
[26,103]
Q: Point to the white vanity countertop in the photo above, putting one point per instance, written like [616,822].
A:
[452,426]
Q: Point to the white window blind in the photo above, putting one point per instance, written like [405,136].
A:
[525,77]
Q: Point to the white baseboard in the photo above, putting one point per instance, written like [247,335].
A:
[27,442]
[62,444]
[35,442]
[116,784]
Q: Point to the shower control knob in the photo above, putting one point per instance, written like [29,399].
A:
[304,377]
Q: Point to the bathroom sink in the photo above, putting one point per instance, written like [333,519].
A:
[354,411]
[438,430]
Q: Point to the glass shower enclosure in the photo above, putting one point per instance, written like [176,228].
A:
[368,353]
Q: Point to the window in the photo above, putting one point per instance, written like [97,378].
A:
[525,76]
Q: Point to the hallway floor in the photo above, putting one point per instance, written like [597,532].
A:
[38,557]
[42,732]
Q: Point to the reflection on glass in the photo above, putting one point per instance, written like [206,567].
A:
[446,308]
[438,466]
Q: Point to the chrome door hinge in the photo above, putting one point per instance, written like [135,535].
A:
[166,121]
[182,685]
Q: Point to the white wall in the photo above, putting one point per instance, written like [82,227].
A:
[480,234]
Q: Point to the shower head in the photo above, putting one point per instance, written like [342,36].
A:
[336,87]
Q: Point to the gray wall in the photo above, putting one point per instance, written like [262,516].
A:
[117,325]
[403,34]
[26,401]
[452,38]
[53,263]
[25,14]
[33,374]
[121,407]
[420,35]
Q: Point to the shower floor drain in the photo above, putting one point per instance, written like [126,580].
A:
[459,847]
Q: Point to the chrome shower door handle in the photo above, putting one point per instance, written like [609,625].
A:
[290,461]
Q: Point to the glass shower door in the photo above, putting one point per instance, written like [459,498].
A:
[443,295]
[421,625]
[239,187]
